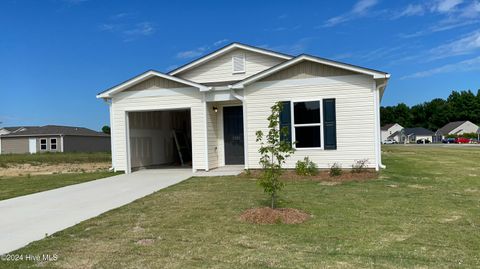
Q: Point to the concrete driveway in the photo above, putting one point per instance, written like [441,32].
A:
[28,218]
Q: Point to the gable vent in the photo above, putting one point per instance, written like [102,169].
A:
[238,63]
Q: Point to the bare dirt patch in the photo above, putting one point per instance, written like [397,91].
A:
[321,176]
[450,219]
[416,186]
[47,169]
[267,215]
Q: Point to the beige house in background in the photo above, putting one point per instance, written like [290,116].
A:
[217,103]
[51,138]
[456,128]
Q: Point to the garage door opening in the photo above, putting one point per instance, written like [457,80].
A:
[160,139]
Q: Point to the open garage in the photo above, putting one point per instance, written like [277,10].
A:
[160,139]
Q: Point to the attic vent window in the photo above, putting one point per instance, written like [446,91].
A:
[238,63]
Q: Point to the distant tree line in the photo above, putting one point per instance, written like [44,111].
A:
[463,105]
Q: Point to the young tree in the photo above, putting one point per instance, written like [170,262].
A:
[274,150]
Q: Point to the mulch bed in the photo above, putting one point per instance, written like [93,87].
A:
[267,215]
[347,175]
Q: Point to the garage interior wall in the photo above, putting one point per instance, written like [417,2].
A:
[151,137]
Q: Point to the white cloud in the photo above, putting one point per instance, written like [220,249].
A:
[191,53]
[465,45]
[411,10]
[360,9]
[200,50]
[122,25]
[472,10]
[297,47]
[452,14]
[140,29]
[445,6]
[220,42]
[463,66]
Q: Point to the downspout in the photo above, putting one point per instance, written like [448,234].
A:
[62,149]
[112,150]
[377,123]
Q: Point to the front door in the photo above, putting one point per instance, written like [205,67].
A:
[233,134]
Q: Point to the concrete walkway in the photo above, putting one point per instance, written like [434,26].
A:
[28,218]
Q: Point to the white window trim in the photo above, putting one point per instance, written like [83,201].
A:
[293,125]
[46,144]
[56,143]
[244,64]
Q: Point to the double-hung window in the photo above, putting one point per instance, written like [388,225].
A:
[53,144]
[43,144]
[307,124]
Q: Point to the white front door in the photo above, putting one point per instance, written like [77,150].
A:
[32,145]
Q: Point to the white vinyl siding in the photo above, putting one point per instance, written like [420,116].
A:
[212,133]
[155,98]
[355,116]
[220,69]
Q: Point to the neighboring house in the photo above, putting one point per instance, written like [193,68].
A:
[412,135]
[51,138]
[391,131]
[218,102]
[456,128]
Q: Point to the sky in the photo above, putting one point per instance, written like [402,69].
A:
[56,55]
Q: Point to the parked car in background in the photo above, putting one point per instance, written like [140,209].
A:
[462,140]
[450,140]
[390,141]
[423,141]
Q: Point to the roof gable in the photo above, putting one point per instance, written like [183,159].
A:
[146,76]
[357,69]
[224,50]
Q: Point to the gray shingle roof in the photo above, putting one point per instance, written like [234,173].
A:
[417,131]
[387,126]
[450,127]
[55,130]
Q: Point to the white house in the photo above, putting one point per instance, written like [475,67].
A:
[456,128]
[389,130]
[218,102]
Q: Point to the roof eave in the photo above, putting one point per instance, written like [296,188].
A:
[147,75]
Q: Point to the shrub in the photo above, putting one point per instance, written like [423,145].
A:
[359,166]
[306,168]
[335,170]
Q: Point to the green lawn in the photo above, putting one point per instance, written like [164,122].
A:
[54,158]
[424,211]
[16,186]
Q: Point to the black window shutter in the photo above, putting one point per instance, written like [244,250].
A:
[329,124]
[286,121]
